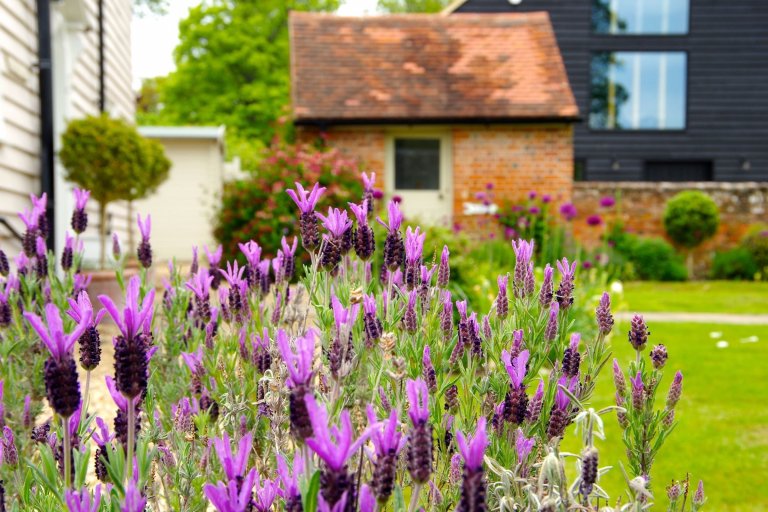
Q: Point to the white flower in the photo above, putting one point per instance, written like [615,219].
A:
[617,287]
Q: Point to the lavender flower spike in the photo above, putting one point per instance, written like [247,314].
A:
[418,397]
[53,336]
[336,222]
[133,501]
[395,217]
[334,445]
[80,501]
[522,283]
[232,496]
[299,363]
[306,201]
[144,251]
[134,314]
[266,491]
[472,448]
[473,483]
[79,215]
[387,443]
[502,299]
[290,481]
[603,314]
[523,446]
[564,293]
[546,293]
[515,368]
[252,252]
[444,271]
[233,463]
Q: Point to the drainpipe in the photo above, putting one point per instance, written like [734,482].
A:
[45,83]
[102,74]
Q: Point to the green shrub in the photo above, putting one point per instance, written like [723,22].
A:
[653,259]
[111,159]
[756,243]
[735,264]
[257,208]
[690,218]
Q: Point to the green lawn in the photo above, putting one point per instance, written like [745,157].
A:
[722,434]
[698,297]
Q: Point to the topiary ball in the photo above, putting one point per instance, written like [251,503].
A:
[691,217]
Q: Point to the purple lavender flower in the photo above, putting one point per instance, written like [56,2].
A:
[516,369]
[369,194]
[637,391]
[502,299]
[594,220]
[546,198]
[675,390]
[414,246]
[252,252]
[603,314]
[299,366]
[121,419]
[337,223]
[80,501]
[68,253]
[41,258]
[638,333]
[365,243]
[233,462]
[265,279]
[444,270]
[387,443]
[473,484]
[266,492]
[6,314]
[289,257]
[428,370]
[559,417]
[234,277]
[116,251]
[618,378]
[214,260]
[523,446]
[290,482]
[306,201]
[372,324]
[131,361]
[568,211]
[409,318]
[420,439]
[564,295]
[90,341]
[394,247]
[523,282]
[607,201]
[5,268]
[144,251]
[659,356]
[234,496]
[698,496]
[334,446]
[571,356]
[79,215]
[534,405]
[102,437]
[61,382]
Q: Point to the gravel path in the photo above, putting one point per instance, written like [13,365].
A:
[701,318]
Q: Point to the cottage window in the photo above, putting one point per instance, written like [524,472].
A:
[640,17]
[417,164]
[638,91]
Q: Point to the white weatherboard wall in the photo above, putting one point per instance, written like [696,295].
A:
[74,32]
[183,206]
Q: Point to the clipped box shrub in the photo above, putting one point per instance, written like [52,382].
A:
[756,243]
[690,218]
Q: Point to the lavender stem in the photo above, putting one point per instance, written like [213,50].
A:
[67,454]
[131,433]
[414,498]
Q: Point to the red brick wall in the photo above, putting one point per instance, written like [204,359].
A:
[641,209]
[516,159]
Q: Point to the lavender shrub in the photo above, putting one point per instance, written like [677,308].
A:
[243,390]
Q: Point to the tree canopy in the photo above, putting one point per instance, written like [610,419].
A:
[232,67]
[395,6]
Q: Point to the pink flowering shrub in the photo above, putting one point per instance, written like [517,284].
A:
[257,208]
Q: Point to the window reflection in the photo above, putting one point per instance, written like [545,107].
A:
[638,91]
[660,17]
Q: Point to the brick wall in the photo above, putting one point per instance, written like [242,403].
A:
[641,208]
[516,159]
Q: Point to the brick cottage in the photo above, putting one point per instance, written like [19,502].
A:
[439,107]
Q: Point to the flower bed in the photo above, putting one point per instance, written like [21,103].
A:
[355,388]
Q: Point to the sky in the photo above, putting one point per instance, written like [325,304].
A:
[155,37]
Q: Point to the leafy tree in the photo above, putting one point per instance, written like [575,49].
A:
[142,7]
[232,67]
[412,5]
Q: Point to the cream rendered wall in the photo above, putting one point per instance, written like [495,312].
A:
[182,208]
[75,75]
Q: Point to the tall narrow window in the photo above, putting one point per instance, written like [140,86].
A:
[638,91]
[640,17]
[417,164]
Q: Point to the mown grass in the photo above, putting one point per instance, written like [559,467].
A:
[698,297]
[722,434]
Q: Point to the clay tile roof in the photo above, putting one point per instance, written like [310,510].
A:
[427,68]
